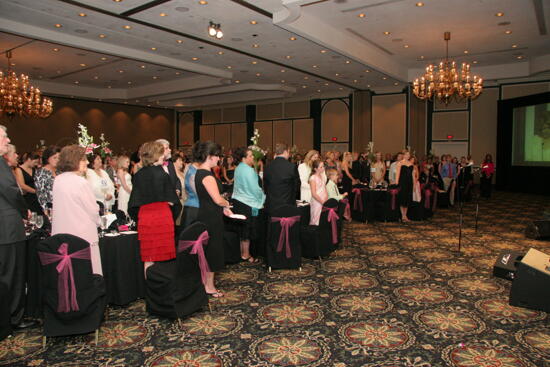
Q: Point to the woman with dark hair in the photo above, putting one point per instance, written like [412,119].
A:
[228,169]
[191,208]
[76,211]
[154,205]
[248,198]
[487,171]
[212,208]
[24,175]
[100,182]
[43,179]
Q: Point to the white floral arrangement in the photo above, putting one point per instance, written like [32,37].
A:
[370,151]
[104,149]
[257,152]
[85,140]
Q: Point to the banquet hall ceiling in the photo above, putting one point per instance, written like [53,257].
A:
[158,52]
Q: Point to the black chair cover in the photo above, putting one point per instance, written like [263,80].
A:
[317,240]
[90,290]
[5,312]
[279,260]
[443,198]
[174,288]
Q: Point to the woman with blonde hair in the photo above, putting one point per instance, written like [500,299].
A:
[347,178]
[125,180]
[304,170]
[154,204]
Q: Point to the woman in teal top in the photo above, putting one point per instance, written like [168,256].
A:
[191,208]
[248,198]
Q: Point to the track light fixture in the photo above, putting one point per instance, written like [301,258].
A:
[215,30]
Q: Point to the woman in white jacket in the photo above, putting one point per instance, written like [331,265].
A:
[102,186]
[304,170]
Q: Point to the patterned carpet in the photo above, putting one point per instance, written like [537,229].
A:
[394,295]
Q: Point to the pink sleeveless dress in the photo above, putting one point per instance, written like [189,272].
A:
[315,206]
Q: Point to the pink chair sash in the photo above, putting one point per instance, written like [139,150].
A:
[332,218]
[347,210]
[66,275]
[393,193]
[427,197]
[286,223]
[357,200]
[197,249]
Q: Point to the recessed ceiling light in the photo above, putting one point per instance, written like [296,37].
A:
[121,71]
[283,70]
[367,71]
[155,77]
[323,51]
[81,14]
[83,65]
[178,73]
[292,38]
[109,87]
[474,62]
[258,74]
[422,57]
[361,15]
[220,52]
[340,88]
[179,41]
[237,81]
[153,48]
[203,2]
[519,57]
[387,33]
[117,1]
[304,86]
[315,66]
[142,66]
[56,49]
[318,91]
[348,62]
[288,57]
[229,66]
[129,82]
[508,31]
[326,84]
[419,4]
[337,74]
[355,80]
[282,81]
[395,83]
[384,78]
[514,46]
[194,58]
[253,22]
[254,62]
[76,82]
[255,45]
[103,58]
[96,77]
[58,25]
[368,85]
[466,51]
[163,14]
[406,46]
[306,77]
[102,36]
[127,27]
[499,14]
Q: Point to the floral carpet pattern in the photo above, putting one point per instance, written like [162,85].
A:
[393,294]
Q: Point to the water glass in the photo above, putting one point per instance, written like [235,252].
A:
[39,221]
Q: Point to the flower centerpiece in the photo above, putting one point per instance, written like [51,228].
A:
[257,152]
[85,140]
[104,149]
[370,152]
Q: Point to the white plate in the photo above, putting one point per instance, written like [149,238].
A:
[112,234]
[237,216]
[128,232]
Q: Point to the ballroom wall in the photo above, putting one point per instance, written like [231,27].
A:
[124,126]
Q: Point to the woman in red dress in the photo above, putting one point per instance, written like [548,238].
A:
[155,205]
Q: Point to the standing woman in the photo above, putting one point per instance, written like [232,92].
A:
[24,175]
[212,208]
[228,173]
[76,211]
[125,189]
[304,170]
[319,192]
[43,180]
[487,171]
[378,169]
[102,186]
[191,208]
[404,178]
[248,198]
[154,203]
[179,165]
[347,178]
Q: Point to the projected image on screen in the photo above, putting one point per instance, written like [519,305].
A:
[531,138]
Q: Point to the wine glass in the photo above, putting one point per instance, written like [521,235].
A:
[32,219]
[39,221]
[102,225]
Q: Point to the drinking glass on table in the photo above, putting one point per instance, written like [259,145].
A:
[102,225]
[32,218]
[39,221]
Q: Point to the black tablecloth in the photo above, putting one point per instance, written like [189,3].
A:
[377,206]
[122,268]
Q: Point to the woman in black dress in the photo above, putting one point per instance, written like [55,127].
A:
[404,178]
[24,174]
[212,208]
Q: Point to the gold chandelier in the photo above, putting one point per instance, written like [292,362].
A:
[446,82]
[18,97]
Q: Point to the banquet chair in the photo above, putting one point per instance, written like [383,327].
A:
[5,312]
[283,250]
[319,241]
[174,288]
[73,297]
[443,198]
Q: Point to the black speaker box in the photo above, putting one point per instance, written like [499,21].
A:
[538,230]
[531,285]
[506,264]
